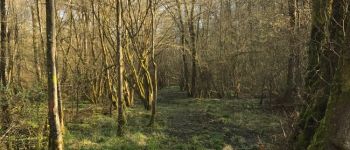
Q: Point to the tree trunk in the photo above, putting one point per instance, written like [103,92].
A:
[36,47]
[3,43]
[18,55]
[317,90]
[292,91]
[121,117]
[323,67]
[10,60]
[55,138]
[41,34]
[185,80]
[5,107]
[193,49]
[154,79]
[148,85]
[334,130]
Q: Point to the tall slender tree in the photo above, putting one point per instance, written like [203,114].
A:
[35,45]
[292,90]
[41,33]
[3,43]
[55,137]
[192,32]
[5,104]
[121,117]
[181,26]
[154,79]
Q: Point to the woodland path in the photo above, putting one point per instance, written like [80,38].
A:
[237,123]
[186,123]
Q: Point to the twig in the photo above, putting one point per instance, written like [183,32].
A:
[3,136]
[284,133]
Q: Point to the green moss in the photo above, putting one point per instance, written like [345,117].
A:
[301,142]
[318,141]
[308,122]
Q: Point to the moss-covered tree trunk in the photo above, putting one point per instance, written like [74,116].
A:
[3,43]
[4,100]
[334,130]
[56,137]
[325,81]
[317,90]
[191,30]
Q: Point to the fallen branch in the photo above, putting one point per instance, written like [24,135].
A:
[284,132]
[7,131]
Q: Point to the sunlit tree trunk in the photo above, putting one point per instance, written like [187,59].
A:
[9,55]
[60,104]
[55,137]
[12,51]
[41,33]
[121,117]
[35,46]
[18,56]
[154,79]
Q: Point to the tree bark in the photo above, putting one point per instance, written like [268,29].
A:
[121,117]
[193,49]
[154,79]
[334,130]
[3,43]
[185,75]
[36,47]
[292,90]
[41,34]
[316,89]
[18,55]
[322,81]
[5,107]
[55,138]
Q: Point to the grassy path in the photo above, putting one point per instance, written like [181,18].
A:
[182,123]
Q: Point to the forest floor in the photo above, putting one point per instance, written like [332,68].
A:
[182,123]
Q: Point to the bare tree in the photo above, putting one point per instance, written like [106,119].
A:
[36,45]
[3,43]
[56,137]
[121,117]
[5,106]
[154,79]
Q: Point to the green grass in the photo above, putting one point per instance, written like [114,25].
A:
[182,123]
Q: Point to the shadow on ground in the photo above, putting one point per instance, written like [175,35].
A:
[182,123]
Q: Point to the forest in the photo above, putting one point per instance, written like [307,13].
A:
[175,74]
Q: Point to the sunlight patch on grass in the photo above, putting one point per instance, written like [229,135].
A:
[139,138]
